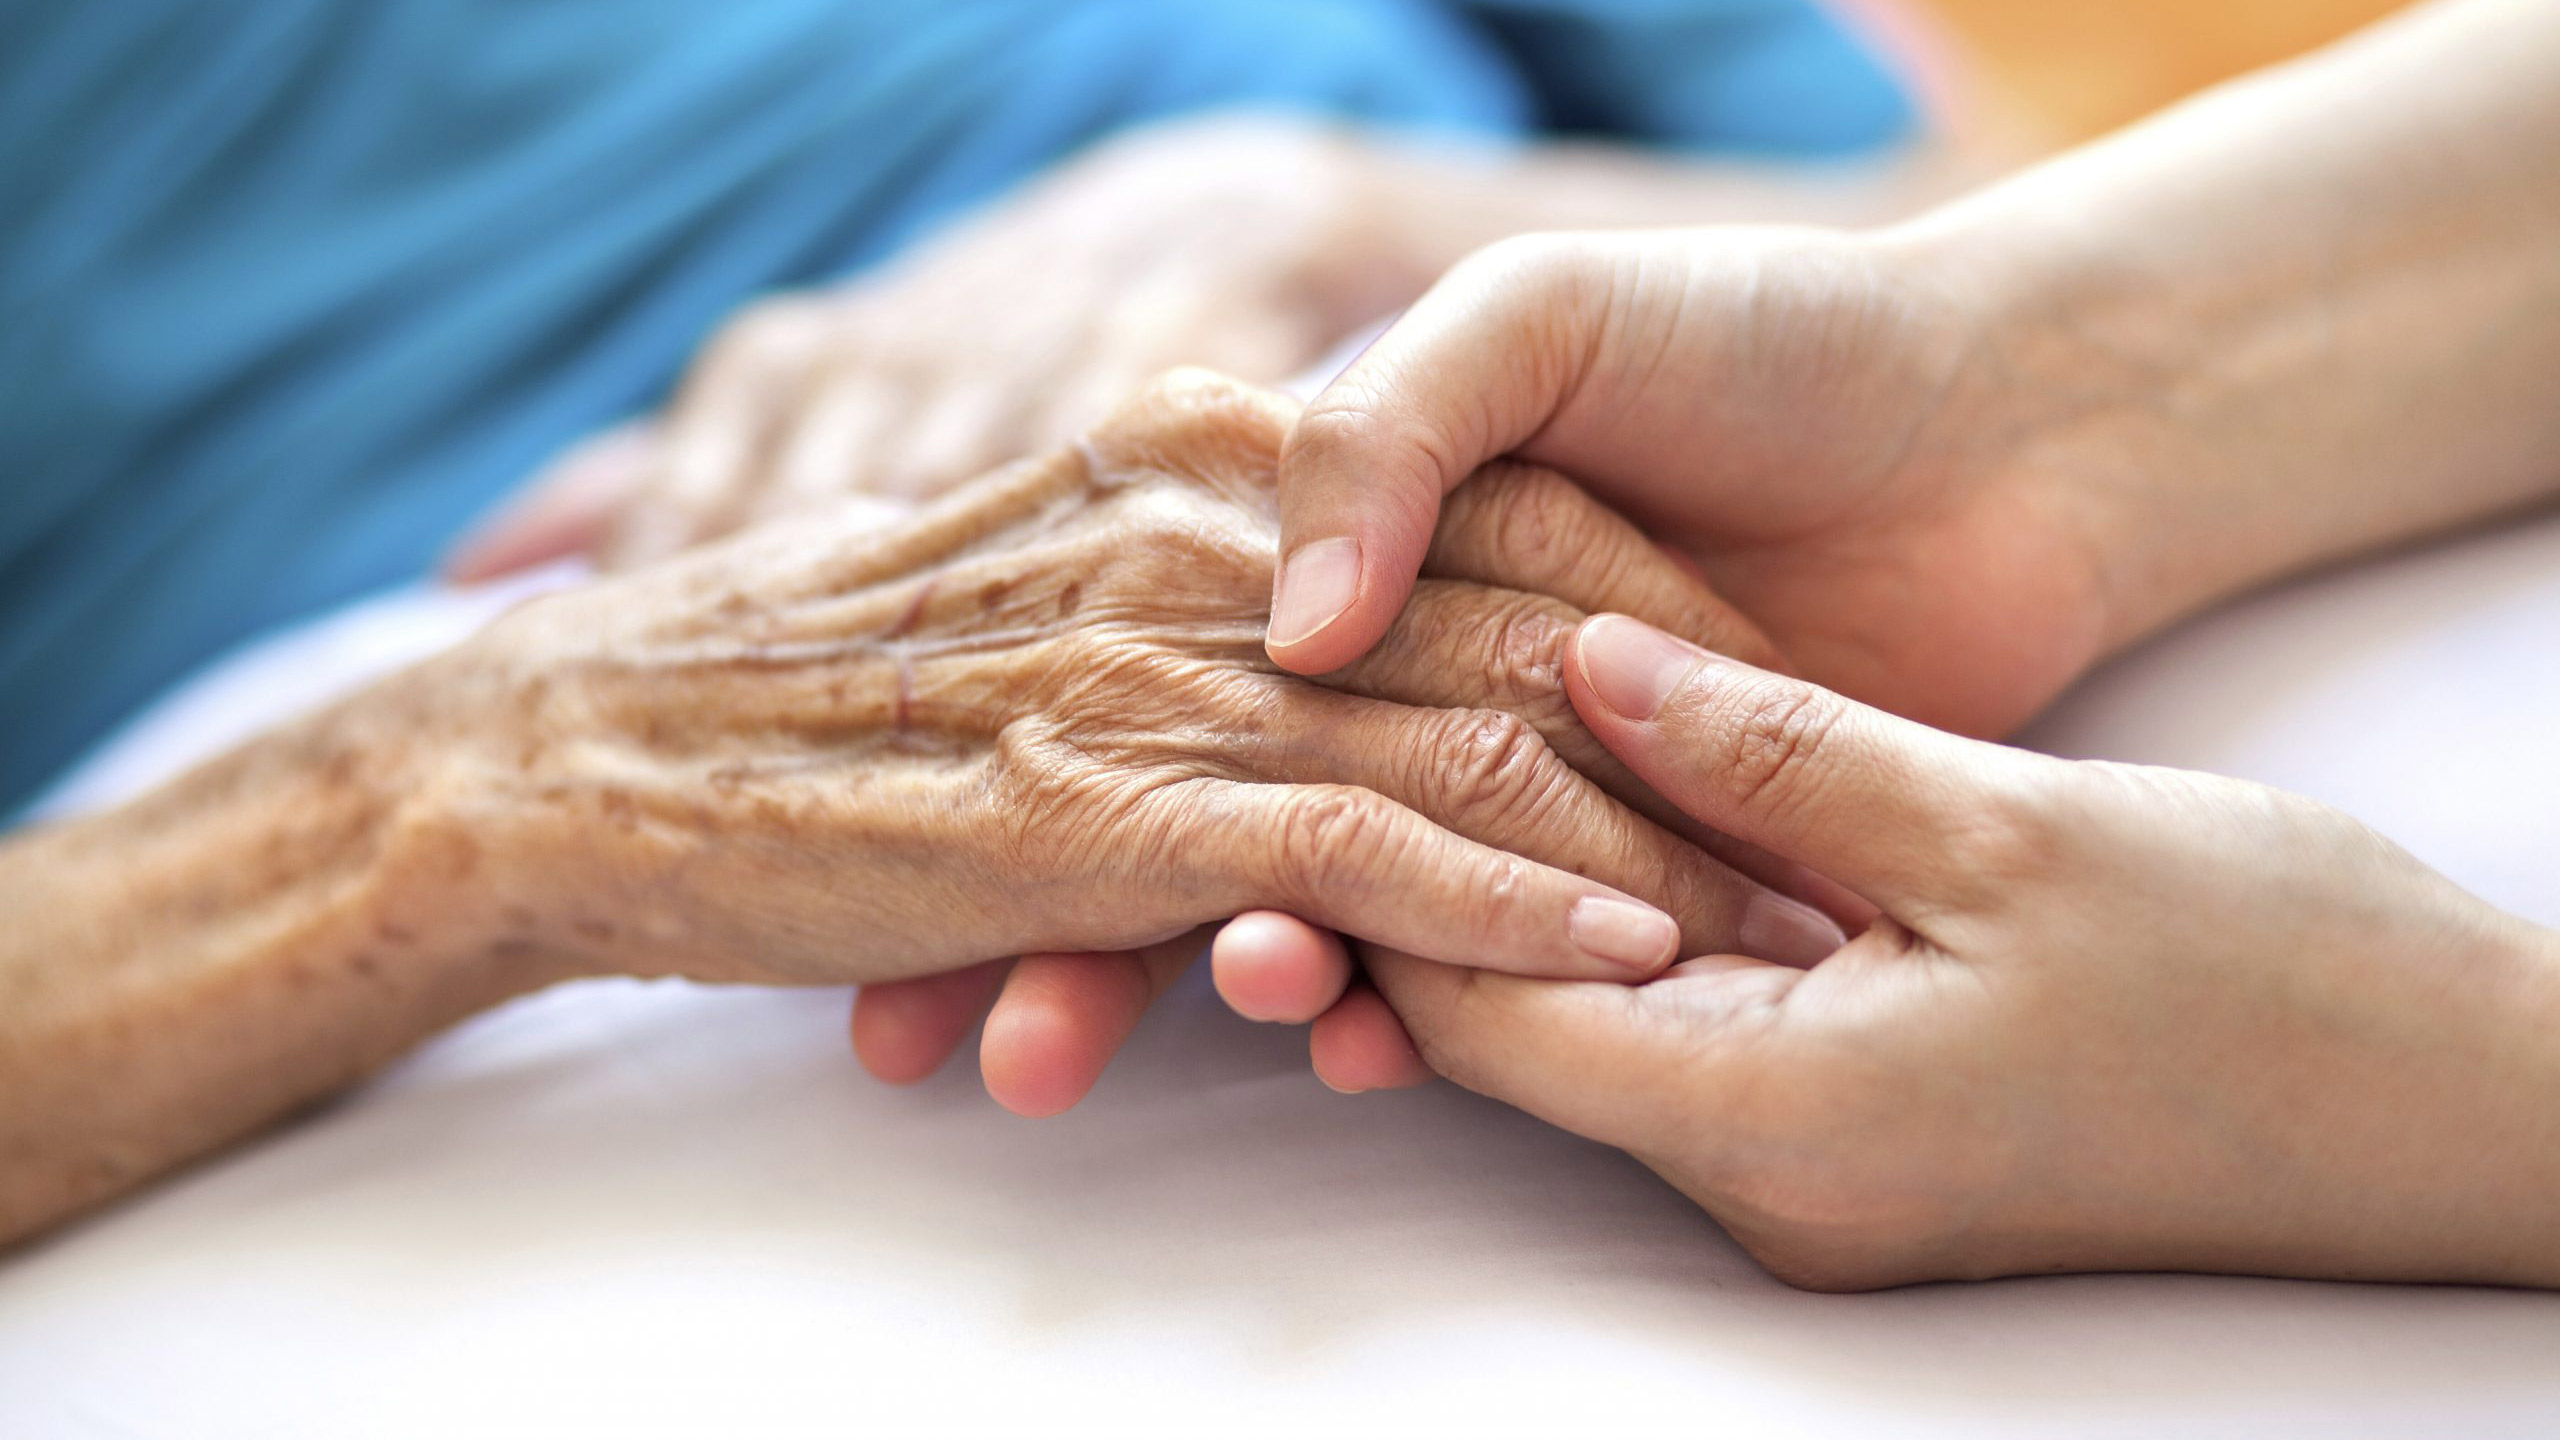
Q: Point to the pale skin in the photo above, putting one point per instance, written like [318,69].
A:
[2111,1017]
[2096,1017]
[1038,718]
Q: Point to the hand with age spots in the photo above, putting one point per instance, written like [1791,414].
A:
[1038,718]
[1497,757]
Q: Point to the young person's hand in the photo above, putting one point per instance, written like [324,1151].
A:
[1825,424]
[1946,465]
[2110,1017]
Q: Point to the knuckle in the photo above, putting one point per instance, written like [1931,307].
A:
[1776,744]
[1493,763]
[1196,424]
[1346,419]
[1524,647]
[1537,515]
[1329,836]
[1354,428]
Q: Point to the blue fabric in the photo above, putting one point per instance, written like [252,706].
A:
[290,289]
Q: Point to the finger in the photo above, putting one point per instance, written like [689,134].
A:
[1460,645]
[1354,861]
[1527,528]
[966,427]
[1591,1058]
[904,1029]
[722,430]
[1876,802]
[831,442]
[1062,1017]
[1472,370]
[1270,966]
[564,511]
[1487,775]
[1359,1045]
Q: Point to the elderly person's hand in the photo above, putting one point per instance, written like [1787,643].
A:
[1246,246]
[2111,1018]
[1251,245]
[1037,718]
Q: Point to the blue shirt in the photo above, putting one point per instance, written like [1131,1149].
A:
[290,289]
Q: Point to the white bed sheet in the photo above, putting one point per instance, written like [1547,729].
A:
[650,1209]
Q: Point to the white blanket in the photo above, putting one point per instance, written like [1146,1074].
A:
[649,1209]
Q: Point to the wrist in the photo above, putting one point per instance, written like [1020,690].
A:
[468,873]
[2094,392]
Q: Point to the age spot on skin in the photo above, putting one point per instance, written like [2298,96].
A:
[620,810]
[1070,597]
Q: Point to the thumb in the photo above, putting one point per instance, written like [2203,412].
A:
[1867,798]
[1597,1058]
[1475,368]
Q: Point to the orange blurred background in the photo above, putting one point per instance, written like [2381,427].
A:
[2074,68]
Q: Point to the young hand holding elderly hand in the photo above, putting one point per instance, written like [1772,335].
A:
[2109,1017]
[2094,1016]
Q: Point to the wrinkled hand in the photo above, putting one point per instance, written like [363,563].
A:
[1830,425]
[1039,718]
[2112,1018]
[1245,246]
[1519,558]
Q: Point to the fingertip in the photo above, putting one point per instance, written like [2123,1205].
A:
[1274,967]
[1054,1029]
[1360,1045]
[903,1031]
[886,1043]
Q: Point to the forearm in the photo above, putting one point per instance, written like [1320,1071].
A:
[2305,315]
[183,971]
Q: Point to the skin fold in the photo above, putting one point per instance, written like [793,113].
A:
[1037,718]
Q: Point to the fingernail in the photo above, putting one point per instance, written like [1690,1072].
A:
[1317,583]
[1632,667]
[1622,932]
[1777,928]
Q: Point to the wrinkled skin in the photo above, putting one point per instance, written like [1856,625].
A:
[1039,718]
[1036,717]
